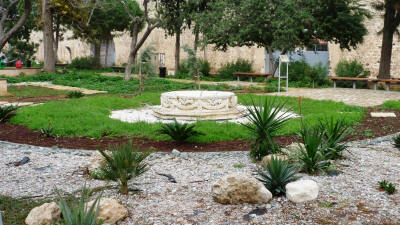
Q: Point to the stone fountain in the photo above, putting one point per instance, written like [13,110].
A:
[199,105]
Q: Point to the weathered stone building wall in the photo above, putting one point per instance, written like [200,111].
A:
[369,52]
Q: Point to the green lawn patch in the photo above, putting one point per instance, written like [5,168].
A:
[391,105]
[90,117]
[33,91]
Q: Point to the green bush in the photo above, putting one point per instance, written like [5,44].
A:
[75,94]
[84,63]
[304,75]
[276,174]
[7,112]
[334,133]
[124,163]
[204,67]
[266,120]
[351,69]
[241,65]
[179,132]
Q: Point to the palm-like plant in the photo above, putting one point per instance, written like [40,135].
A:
[334,132]
[276,174]
[179,132]
[7,112]
[265,121]
[80,215]
[123,164]
[311,156]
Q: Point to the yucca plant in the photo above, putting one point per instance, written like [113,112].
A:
[80,214]
[7,112]
[266,119]
[396,141]
[276,174]
[124,163]
[387,187]
[312,156]
[334,133]
[179,132]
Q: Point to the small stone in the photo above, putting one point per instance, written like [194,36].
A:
[302,191]
[175,152]
[383,114]
[97,161]
[268,158]
[46,214]
[184,155]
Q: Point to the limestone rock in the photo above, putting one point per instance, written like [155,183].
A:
[237,188]
[268,158]
[97,161]
[302,191]
[110,211]
[46,214]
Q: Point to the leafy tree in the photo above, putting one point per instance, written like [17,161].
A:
[391,22]
[174,17]
[283,24]
[136,23]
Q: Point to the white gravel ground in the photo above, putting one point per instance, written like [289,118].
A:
[350,198]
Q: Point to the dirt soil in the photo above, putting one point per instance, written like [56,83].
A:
[33,99]
[367,128]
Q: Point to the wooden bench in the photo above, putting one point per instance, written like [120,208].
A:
[375,81]
[251,75]
[61,65]
[118,68]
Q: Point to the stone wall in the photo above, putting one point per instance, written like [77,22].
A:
[163,44]
[369,52]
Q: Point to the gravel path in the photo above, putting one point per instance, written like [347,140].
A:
[347,95]
[350,198]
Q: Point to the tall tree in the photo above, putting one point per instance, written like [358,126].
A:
[7,32]
[283,24]
[48,41]
[174,17]
[391,22]
[137,22]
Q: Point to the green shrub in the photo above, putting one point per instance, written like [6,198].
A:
[311,157]
[388,187]
[265,121]
[7,112]
[179,132]
[79,215]
[351,69]
[124,163]
[241,65]
[75,94]
[204,67]
[334,133]
[396,141]
[276,174]
[84,63]
[304,75]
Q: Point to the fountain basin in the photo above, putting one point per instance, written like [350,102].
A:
[199,105]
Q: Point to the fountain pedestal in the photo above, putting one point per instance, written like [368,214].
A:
[199,105]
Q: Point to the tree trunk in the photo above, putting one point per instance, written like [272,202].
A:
[97,52]
[271,60]
[124,187]
[57,39]
[386,54]
[106,58]
[196,41]
[132,53]
[47,19]
[177,51]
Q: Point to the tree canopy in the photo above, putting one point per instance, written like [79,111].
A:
[283,24]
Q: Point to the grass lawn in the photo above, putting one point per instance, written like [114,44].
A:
[90,117]
[33,91]
[391,105]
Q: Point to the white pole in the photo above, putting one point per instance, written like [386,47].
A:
[279,77]
[287,77]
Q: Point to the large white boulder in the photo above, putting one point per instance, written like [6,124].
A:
[237,188]
[110,211]
[46,214]
[302,191]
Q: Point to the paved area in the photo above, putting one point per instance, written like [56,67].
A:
[357,97]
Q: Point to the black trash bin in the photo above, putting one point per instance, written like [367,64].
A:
[28,63]
[163,71]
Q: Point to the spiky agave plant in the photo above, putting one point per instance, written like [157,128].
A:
[124,163]
[276,174]
[80,214]
[266,119]
[7,112]
[179,132]
[334,133]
